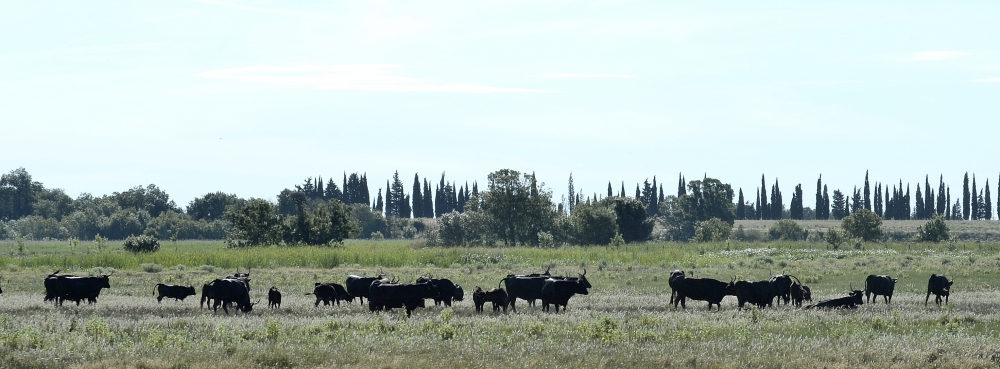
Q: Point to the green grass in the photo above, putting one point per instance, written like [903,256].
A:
[624,322]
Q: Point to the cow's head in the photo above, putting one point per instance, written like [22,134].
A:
[189,290]
[105,281]
[583,280]
[459,293]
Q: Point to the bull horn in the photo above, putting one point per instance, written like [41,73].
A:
[584,272]
[852,287]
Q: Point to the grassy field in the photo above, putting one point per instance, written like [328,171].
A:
[624,322]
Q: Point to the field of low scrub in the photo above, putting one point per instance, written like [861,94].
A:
[623,322]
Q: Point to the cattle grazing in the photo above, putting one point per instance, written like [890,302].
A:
[558,292]
[703,289]
[759,293]
[527,287]
[851,301]
[330,293]
[227,291]
[672,282]
[782,285]
[273,298]
[387,296]
[939,285]
[800,292]
[358,286]
[174,292]
[446,288]
[876,285]
[496,296]
[63,287]
[478,298]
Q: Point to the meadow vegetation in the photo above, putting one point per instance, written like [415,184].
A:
[624,322]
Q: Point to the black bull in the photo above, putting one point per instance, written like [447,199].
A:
[760,293]
[330,293]
[529,287]
[702,289]
[387,296]
[62,287]
[358,286]
[558,292]
[228,291]
[876,285]
[939,285]
[447,290]
[174,292]
[851,301]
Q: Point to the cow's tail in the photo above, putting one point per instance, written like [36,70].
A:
[504,281]
[155,287]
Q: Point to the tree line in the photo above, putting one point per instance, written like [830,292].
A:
[467,214]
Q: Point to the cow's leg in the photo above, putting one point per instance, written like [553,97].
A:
[928,297]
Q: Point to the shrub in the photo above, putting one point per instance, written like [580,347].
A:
[863,224]
[712,230]
[142,244]
[935,230]
[788,230]
[151,267]
[834,237]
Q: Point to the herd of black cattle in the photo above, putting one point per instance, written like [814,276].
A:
[386,294]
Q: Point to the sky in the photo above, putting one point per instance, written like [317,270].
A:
[251,97]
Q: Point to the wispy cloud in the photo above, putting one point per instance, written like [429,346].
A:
[937,55]
[359,77]
[583,75]
[989,80]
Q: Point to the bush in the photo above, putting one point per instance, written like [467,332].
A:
[935,230]
[142,244]
[863,224]
[712,230]
[594,224]
[787,230]
[151,267]
[834,237]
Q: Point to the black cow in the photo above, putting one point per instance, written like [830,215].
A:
[446,288]
[273,298]
[358,286]
[558,292]
[387,296]
[227,291]
[851,301]
[497,296]
[174,292]
[330,293]
[782,285]
[703,289]
[800,292]
[528,286]
[760,293]
[939,285]
[63,287]
[672,282]
[876,285]
[207,295]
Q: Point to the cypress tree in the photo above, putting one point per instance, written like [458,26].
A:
[638,195]
[418,198]
[390,210]
[378,203]
[826,203]
[928,198]
[906,203]
[839,203]
[920,203]
[741,210]
[868,199]
[428,200]
[988,205]
[888,204]
[661,198]
[610,191]
[942,203]
[796,207]
[974,214]
[622,192]
[757,211]
[980,213]
[819,198]
[966,209]
[948,212]
[680,185]
[345,196]
[572,192]
[776,202]
[762,204]
[654,203]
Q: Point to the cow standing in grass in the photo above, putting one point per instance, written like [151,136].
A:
[330,293]
[760,293]
[675,276]
[447,290]
[496,296]
[175,292]
[273,298]
[558,292]
[876,285]
[939,285]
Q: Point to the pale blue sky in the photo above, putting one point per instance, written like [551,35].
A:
[250,97]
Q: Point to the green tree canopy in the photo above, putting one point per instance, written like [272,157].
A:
[863,224]
[255,224]
[213,205]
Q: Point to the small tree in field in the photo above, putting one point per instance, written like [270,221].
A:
[863,224]
[142,244]
[935,230]
[787,230]
[712,230]
[834,237]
